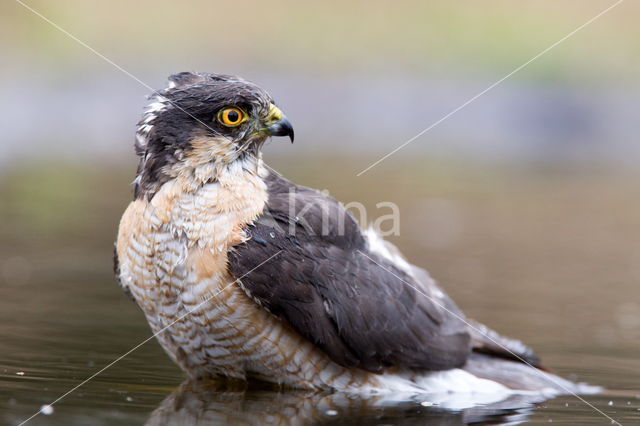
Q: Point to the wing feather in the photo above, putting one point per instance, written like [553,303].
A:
[356,305]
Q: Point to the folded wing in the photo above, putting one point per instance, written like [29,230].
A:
[358,306]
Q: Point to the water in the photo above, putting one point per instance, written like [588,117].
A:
[552,258]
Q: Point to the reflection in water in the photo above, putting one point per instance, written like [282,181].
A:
[214,403]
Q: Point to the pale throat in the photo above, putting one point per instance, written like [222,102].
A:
[216,160]
[211,202]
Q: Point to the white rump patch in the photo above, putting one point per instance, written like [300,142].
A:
[378,245]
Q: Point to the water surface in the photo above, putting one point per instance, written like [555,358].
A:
[551,258]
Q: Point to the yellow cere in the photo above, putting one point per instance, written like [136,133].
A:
[274,114]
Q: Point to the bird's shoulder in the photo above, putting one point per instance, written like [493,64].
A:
[308,213]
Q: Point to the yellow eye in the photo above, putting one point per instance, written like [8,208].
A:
[231,116]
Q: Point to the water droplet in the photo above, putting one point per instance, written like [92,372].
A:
[610,403]
[46,409]
[331,413]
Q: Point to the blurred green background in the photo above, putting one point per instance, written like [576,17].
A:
[525,205]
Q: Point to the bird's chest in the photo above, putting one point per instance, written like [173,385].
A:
[173,258]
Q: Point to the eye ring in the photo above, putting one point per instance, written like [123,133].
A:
[231,116]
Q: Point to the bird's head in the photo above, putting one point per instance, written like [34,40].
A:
[204,122]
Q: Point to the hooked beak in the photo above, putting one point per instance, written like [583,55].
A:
[278,124]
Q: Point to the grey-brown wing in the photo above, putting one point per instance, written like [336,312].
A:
[357,306]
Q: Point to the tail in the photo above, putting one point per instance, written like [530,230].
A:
[523,377]
[487,341]
[514,365]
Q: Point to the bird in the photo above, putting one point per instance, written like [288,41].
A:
[245,275]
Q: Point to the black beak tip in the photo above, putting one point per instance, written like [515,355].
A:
[282,128]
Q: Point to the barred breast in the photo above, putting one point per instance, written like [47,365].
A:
[173,259]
